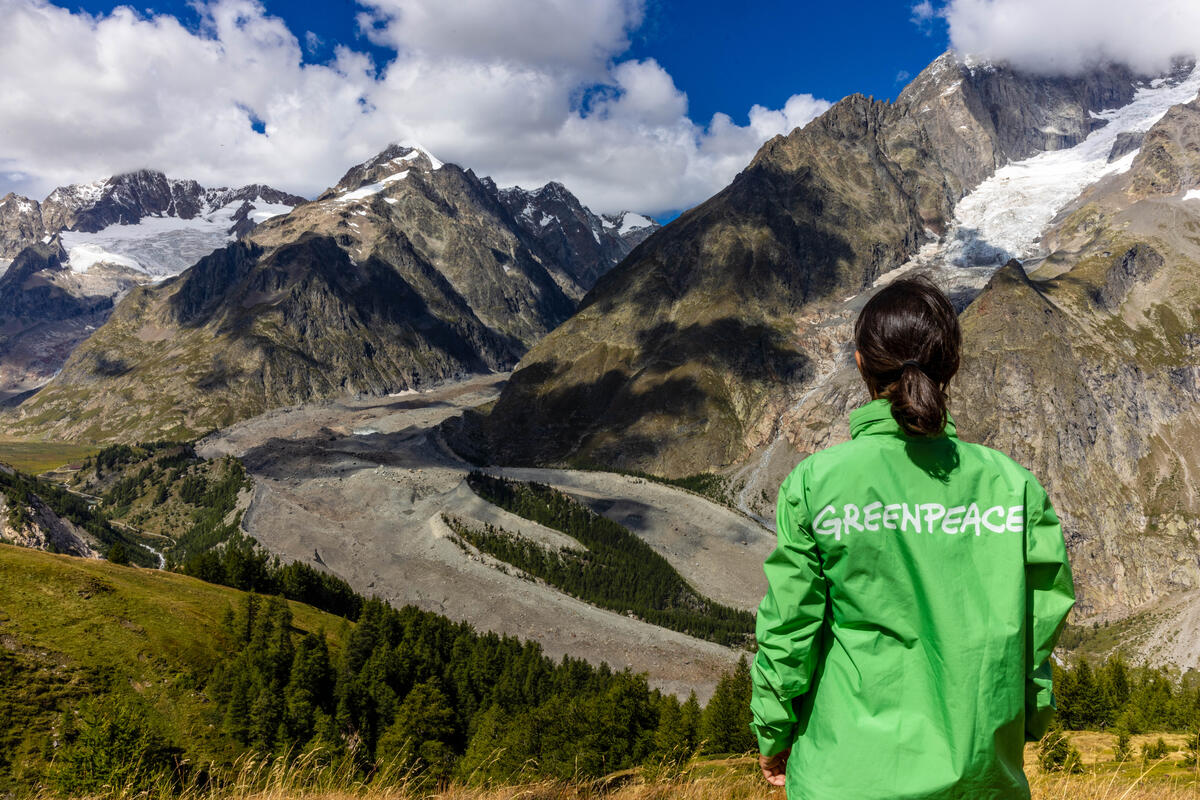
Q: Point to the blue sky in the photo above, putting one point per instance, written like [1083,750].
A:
[770,50]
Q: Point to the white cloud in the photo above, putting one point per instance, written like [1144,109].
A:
[1068,36]
[579,35]
[923,14]
[526,91]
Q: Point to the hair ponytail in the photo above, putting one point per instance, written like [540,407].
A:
[908,339]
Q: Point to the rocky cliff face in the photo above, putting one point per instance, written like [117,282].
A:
[20,224]
[589,245]
[45,311]
[27,521]
[405,273]
[683,358]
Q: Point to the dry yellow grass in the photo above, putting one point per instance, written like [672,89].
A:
[722,779]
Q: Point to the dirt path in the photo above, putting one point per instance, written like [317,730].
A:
[360,487]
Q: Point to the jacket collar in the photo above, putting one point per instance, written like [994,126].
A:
[876,418]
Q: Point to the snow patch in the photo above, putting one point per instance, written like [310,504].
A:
[161,246]
[1192,194]
[418,150]
[363,192]
[85,256]
[631,222]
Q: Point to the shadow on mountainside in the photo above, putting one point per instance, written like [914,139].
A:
[330,454]
[633,412]
[763,240]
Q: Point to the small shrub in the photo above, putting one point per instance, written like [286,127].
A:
[1057,754]
[1192,757]
[1154,751]
[1123,750]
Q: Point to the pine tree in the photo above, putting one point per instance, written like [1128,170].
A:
[690,721]
[1115,680]
[726,720]
[419,735]
[117,554]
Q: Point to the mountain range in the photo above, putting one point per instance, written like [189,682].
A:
[406,272]
[71,258]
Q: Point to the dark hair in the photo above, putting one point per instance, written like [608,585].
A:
[909,339]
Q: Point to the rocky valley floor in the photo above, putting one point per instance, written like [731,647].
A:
[360,487]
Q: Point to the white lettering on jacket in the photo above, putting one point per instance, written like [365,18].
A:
[877,516]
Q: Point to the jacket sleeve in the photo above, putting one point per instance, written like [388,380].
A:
[789,622]
[1049,596]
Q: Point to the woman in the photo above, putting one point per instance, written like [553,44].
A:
[917,589]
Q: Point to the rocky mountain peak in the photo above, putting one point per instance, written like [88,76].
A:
[395,161]
[20,223]
[573,233]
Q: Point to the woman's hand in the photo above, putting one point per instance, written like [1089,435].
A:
[774,768]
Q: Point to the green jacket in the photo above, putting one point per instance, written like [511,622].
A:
[915,594]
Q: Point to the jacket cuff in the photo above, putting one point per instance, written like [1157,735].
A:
[773,740]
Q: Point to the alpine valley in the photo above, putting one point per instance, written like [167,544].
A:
[501,407]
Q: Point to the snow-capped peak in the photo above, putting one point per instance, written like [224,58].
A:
[417,149]
[627,222]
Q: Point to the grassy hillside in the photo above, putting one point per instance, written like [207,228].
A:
[35,457]
[73,628]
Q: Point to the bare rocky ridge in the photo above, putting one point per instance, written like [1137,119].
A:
[358,488]
[20,224]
